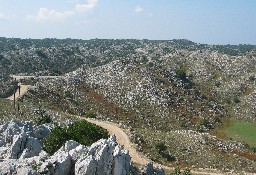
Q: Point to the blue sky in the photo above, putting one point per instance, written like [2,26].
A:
[202,21]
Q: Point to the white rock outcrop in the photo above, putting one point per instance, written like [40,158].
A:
[21,153]
[24,146]
[21,139]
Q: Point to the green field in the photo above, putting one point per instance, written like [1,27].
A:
[241,131]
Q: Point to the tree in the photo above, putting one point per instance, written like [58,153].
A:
[181,73]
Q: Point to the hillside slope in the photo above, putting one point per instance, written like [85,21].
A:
[172,95]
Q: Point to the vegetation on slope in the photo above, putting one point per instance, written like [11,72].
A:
[82,132]
[241,131]
[169,93]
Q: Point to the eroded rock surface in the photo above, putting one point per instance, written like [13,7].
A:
[22,154]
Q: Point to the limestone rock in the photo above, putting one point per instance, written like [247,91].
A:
[42,131]
[3,152]
[86,166]
[21,152]
[71,144]
[150,170]
[7,167]
[121,165]
[78,153]
[62,163]
[24,146]
[32,148]
[9,129]
[105,157]
[18,145]
[27,171]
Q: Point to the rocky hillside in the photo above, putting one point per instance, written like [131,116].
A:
[161,110]
[172,95]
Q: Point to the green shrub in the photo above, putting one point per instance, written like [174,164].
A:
[161,147]
[181,73]
[91,114]
[252,78]
[82,132]
[236,100]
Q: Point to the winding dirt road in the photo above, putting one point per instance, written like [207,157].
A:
[122,139]
[20,77]
[137,157]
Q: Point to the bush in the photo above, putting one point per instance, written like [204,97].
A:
[91,114]
[55,140]
[181,73]
[236,100]
[82,132]
[161,147]
[252,78]
[203,124]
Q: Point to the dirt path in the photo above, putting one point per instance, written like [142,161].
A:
[122,139]
[20,77]
[137,157]
[23,90]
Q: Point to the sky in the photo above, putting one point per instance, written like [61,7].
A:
[201,21]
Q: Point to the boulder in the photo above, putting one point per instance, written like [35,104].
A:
[24,146]
[27,170]
[8,167]
[62,163]
[42,131]
[150,170]
[78,153]
[121,164]
[69,145]
[86,166]
[4,152]
[21,153]
[18,145]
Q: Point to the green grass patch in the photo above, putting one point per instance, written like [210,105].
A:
[6,107]
[241,131]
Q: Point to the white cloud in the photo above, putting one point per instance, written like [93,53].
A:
[45,14]
[1,16]
[90,5]
[138,9]
[4,17]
